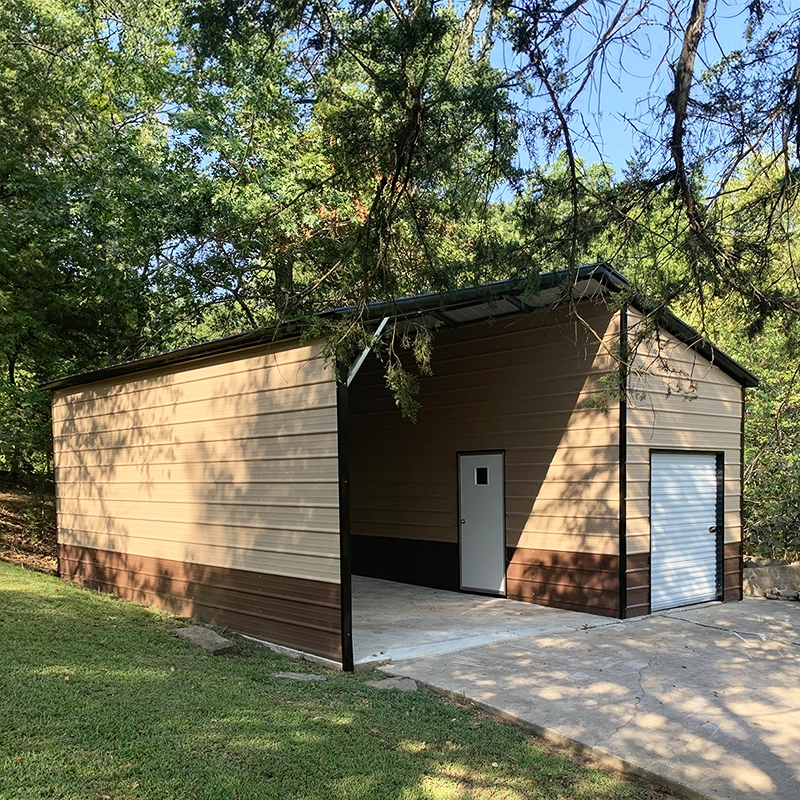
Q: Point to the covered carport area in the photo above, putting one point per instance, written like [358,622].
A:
[522,478]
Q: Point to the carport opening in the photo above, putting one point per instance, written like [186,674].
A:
[404,477]
[406,595]
[402,501]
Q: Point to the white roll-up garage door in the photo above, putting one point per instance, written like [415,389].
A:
[683,535]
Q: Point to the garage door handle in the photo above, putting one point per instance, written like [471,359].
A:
[715,529]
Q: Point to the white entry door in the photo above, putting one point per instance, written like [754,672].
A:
[684,539]
[482,528]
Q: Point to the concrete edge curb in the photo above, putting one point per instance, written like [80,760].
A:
[553,737]
[295,655]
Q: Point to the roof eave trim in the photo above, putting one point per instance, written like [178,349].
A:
[194,352]
[696,341]
[403,308]
[408,308]
[692,338]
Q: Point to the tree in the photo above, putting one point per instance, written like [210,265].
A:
[175,173]
[728,107]
[171,172]
[83,205]
[769,343]
[347,148]
[350,154]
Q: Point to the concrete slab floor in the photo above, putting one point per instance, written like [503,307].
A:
[707,698]
[395,621]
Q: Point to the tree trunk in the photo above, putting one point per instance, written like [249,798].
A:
[283,293]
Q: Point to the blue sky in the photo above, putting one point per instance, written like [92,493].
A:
[632,88]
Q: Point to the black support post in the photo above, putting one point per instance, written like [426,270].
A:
[623,461]
[345,552]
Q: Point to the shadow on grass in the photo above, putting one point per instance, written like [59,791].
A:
[97,701]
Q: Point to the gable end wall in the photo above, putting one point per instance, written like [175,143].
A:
[679,401]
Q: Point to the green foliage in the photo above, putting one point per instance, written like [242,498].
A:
[642,232]
[758,326]
[26,443]
[404,386]
[772,443]
[84,196]
[346,153]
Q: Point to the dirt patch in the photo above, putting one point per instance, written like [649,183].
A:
[28,523]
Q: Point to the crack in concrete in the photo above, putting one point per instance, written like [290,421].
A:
[740,634]
[635,705]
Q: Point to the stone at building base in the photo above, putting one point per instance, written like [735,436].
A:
[781,594]
[205,639]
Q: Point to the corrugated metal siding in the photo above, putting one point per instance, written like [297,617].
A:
[679,401]
[518,384]
[420,562]
[732,571]
[572,580]
[230,463]
[637,584]
[294,612]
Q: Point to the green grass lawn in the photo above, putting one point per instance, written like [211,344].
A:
[97,701]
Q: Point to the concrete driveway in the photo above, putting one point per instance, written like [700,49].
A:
[705,698]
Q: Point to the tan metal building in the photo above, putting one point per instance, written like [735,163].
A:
[241,483]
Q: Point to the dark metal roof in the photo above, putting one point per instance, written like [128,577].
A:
[433,310]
